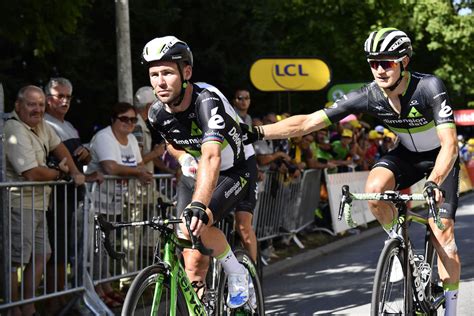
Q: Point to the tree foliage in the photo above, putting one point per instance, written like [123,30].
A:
[76,39]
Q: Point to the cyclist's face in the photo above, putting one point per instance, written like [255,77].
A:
[386,77]
[165,80]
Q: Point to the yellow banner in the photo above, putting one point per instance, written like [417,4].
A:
[289,74]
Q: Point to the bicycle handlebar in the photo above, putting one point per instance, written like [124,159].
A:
[390,196]
[102,225]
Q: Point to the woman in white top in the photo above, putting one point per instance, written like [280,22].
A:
[115,151]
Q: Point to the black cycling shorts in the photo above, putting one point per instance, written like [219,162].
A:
[236,189]
[410,167]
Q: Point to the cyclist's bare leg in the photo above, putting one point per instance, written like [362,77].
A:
[449,265]
[196,265]
[379,180]
[212,238]
[243,221]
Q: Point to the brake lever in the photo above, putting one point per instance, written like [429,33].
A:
[430,195]
[106,228]
[196,241]
[346,199]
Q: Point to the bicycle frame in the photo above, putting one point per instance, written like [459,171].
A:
[178,277]
[170,262]
[419,285]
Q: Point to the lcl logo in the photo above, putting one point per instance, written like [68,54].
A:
[290,74]
[290,70]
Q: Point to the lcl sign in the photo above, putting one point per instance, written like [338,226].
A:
[288,74]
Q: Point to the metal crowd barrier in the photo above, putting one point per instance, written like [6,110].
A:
[19,221]
[121,199]
[286,206]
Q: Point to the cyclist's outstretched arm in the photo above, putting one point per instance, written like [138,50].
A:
[297,125]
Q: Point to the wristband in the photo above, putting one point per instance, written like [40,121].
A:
[198,204]
[260,132]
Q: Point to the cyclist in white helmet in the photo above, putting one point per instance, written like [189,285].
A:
[417,108]
[203,132]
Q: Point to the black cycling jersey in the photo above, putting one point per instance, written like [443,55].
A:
[209,118]
[425,106]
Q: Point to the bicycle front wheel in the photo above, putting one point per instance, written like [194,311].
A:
[150,294]
[222,309]
[391,292]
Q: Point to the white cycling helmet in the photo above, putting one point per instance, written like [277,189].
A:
[167,48]
[388,42]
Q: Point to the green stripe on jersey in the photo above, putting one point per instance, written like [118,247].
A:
[323,117]
[446,125]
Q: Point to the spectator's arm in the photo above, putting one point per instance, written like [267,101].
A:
[61,152]
[156,152]
[264,160]
[41,173]
[111,167]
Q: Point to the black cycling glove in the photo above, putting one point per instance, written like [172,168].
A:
[429,187]
[251,135]
[196,209]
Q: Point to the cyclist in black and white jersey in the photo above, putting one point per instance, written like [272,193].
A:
[416,107]
[202,131]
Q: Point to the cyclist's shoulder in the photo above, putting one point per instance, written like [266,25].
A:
[427,82]
[157,112]
[205,93]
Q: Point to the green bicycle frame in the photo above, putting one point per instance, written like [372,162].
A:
[178,277]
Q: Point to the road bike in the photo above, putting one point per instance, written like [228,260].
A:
[163,288]
[416,288]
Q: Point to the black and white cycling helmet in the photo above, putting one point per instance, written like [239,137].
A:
[387,42]
[167,48]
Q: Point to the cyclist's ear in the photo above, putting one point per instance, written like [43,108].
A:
[187,72]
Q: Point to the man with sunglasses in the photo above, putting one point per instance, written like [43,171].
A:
[242,105]
[416,107]
[200,126]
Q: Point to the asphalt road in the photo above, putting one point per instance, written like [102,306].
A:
[337,280]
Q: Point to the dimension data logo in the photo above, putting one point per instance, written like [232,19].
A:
[287,74]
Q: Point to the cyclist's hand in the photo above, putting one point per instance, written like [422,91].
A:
[438,193]
[251,134]
[199,219]
[189,165]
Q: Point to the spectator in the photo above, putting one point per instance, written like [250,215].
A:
[268,156]
[144,97]
[373,150]
[58,100]
[342,151]
[115,151]
[241,105]
[388,143]
[29,141]
[469,155]
[321,149]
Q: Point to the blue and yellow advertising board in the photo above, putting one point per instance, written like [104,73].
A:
[290,74]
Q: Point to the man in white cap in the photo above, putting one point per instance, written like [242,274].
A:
[144,97]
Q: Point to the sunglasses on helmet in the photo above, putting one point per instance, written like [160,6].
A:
[384,63]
